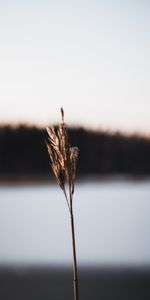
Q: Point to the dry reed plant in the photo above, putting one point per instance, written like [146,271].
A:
[63,161]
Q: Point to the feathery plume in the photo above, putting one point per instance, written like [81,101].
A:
[63,157]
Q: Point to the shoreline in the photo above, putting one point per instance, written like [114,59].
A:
[48,179]
[56,283]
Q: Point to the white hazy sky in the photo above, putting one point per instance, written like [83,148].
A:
[91,57]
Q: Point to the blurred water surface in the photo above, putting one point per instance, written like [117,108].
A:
[111,220]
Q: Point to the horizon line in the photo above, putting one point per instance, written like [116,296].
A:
[93,128]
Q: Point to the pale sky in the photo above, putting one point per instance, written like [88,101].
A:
[91,57]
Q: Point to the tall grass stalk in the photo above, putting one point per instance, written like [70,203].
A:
[63,162]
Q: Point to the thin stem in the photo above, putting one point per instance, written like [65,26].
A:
[75,270]
[66,199]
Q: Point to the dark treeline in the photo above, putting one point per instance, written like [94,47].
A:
[23,152]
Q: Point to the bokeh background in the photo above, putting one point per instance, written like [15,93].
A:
[92,59]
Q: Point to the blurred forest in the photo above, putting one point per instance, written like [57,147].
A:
[23,152]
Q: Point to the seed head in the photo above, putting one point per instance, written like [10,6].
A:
[63,157]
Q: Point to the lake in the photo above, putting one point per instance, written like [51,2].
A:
[112,223]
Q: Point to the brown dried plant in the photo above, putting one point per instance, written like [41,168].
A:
[63,162]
